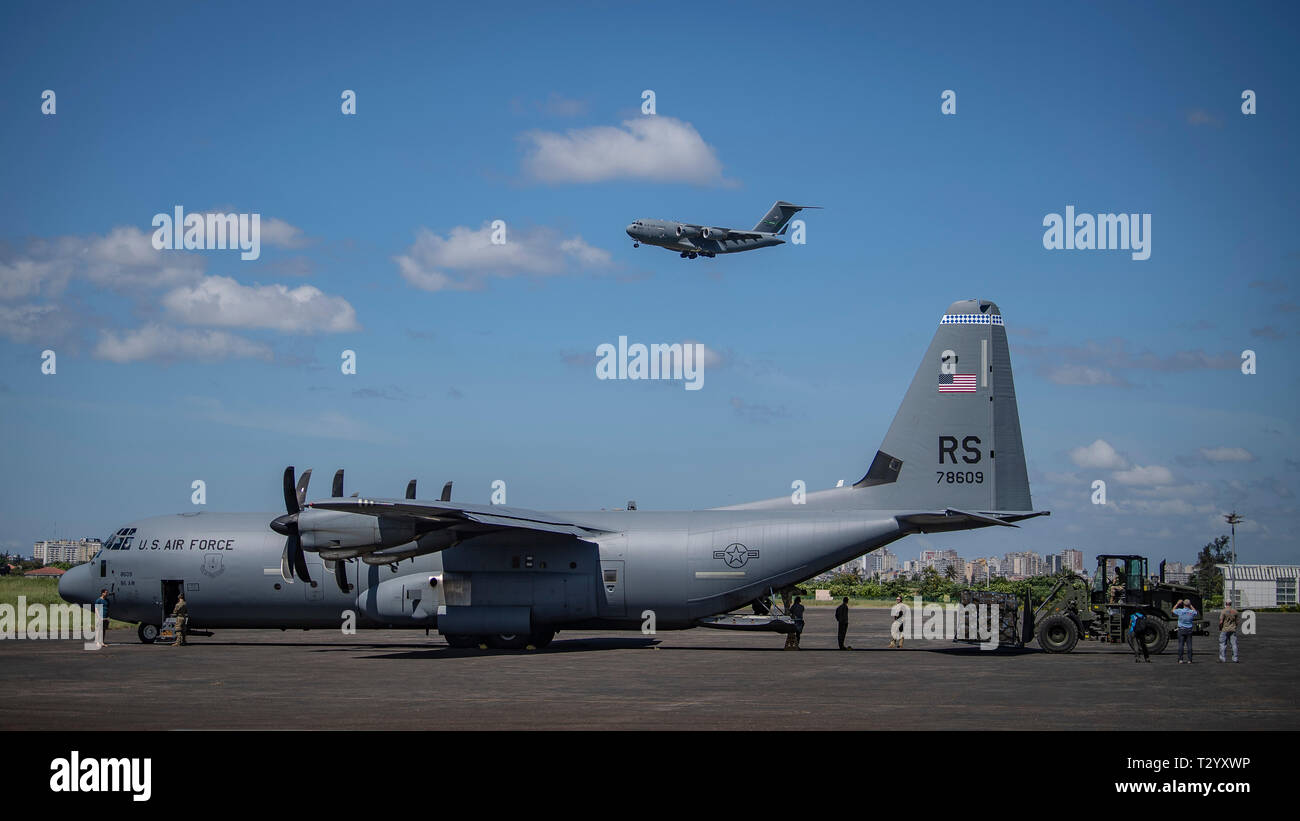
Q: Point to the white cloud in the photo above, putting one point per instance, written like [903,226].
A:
[125,258]
[1100,455]
[160,342]
[466,258]
[1227,455]
[657,148]
[23,277]
[43,324]
[1148,475]
[221,301]
[277,232]
[711,358]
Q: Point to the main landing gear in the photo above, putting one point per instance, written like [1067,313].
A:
[694,254]
[536,640]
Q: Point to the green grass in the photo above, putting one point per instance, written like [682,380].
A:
[38,591]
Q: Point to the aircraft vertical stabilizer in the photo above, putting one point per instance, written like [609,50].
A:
[955,442]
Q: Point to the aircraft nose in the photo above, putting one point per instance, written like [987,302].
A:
[631,230]
[74,586]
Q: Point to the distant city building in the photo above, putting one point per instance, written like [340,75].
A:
[1023,564]
[1259,585]
[50,551]
[1072,560]
[879,562]
[1054,563]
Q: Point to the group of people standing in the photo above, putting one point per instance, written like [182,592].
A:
[1229,620]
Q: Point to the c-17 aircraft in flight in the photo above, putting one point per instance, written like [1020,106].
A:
[703,240]
[509,577]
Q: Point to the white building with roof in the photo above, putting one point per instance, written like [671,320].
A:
[1260,585]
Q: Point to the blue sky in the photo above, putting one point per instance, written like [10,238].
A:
[1107,107]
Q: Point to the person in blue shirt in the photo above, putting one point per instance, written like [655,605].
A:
[1186,623]
[1135,624]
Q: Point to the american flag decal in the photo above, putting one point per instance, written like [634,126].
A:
[956,383]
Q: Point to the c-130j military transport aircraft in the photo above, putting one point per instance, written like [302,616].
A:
[508,577]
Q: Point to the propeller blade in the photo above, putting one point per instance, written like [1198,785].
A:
[299,561]
[302,486]
[290,495]
[341,575]
[410,489]
[338,484]
[285,572]
[446,493]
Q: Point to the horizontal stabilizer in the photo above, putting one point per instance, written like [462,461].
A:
[950,519]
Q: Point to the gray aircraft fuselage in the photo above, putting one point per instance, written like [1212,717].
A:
[951,460]
[676,236]
[665,562]
[691,240]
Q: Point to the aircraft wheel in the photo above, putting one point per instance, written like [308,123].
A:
[541,639]
[693,256]
[1058,634]
[508,641]
[148,633]
[462,642]
[636,245]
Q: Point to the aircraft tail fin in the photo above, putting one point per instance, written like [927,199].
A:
[955,442]
[774,221]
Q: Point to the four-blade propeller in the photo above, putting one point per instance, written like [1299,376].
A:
[293,563]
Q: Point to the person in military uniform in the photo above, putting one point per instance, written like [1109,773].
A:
[842,616]
[897,642]
[796,611]
[182,614]
[1118,586]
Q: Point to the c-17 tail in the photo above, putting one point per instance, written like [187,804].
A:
[776,218]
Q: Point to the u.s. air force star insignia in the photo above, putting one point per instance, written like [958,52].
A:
[735,555]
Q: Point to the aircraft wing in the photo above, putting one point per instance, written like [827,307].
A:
[465,520]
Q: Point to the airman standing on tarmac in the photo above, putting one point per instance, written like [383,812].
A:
[182,614]
[796,611]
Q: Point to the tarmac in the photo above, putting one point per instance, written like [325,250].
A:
[696,679]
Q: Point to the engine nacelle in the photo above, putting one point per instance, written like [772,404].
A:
[714,233]
[428,543]
[336,529]
[412,598]
[687,231]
